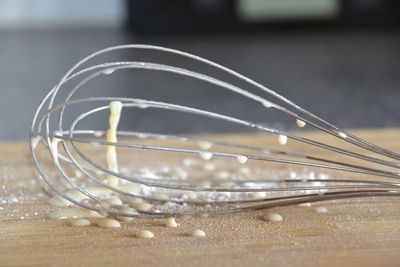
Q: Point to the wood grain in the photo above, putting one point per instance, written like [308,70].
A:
[357,232]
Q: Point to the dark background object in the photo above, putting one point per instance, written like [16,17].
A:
[189,16]
[180,16]
[345,70]
[382,14]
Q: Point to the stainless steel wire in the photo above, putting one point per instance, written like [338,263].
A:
[378,167]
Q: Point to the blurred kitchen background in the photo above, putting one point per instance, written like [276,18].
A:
[337,58]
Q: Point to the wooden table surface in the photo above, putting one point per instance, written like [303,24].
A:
[357,232]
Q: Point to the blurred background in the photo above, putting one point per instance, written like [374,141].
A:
[338,59]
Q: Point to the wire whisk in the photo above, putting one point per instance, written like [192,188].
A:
[361,168]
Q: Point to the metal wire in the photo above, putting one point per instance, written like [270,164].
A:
[378,166]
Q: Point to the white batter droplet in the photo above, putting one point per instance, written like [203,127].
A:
[78,174]
[300,123]
[35,141]
[282,139]
[114,200]
[98,133]
[144,206]
[145,234]
[209,167]
[161,196]
[205,145]
[206,155]
[321,210]
[80,222]
[242,159]
[258,195]
[181,173]
[198,233]
[170,222]
[143,106]
[188,162]
[109,223]
[342,134]
[267,104]
[54,147]
[78,196]
[304,205]
[273,217]
[191,195]
[74,213]
[108,71]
